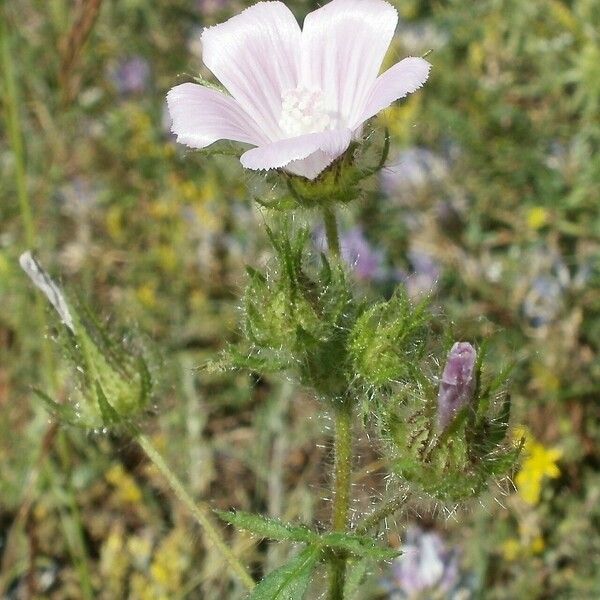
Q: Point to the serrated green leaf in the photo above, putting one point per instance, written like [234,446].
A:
[358,545]
[268,527]
[290,581]
[356,571]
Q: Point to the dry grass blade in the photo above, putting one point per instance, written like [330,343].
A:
[72,46]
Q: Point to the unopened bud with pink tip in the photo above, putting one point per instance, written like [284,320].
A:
[457,386]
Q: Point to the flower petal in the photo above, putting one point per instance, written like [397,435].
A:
[276,155]
[402,79]
[311,166]
[343,46]
[255,55]
[202,116]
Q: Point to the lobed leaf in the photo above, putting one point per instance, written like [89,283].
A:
[290,581]
[268,527]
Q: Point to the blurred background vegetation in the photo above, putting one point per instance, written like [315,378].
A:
[490,202]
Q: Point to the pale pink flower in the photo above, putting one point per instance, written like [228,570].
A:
[299,96]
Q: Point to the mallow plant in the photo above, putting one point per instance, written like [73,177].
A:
[303,100]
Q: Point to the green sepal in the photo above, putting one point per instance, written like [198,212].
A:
[388,340]
[297,316]
[340,183]
[63,412]
[109,415]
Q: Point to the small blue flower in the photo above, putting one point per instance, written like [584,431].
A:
[426,570]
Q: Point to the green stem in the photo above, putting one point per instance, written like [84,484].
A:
[341,501]
[70,519]
[342,447]
[343,467]
[10,100]
[337,578]
[331,231]
[200,511]
[13,126]
[384,511]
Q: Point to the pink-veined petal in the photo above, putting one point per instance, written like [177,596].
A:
[343,46]
[311,166]
[398,81]
[202,116]
[256,55]
[331,144]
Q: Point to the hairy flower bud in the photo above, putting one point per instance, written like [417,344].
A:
[457,385]
[113,381]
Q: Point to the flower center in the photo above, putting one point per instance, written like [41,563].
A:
[303,111]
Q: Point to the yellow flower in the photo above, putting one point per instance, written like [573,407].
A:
[511,549]
[545,378]
[127,489]
[147,295]
[167,257]
[114,222]
[537,217]
[537,545]
[539,463]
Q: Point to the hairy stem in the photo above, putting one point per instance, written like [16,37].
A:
[201,512]
[343,467]
[331,231]
[341,501]
[342,447]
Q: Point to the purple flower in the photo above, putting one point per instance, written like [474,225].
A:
[299,95]
[132,75]
[426,568]
[458,382]
[358,253]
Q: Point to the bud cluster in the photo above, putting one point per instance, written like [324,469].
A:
[296,318]
[442,432]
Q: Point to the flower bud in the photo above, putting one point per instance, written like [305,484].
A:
[457,385]
[113,381]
